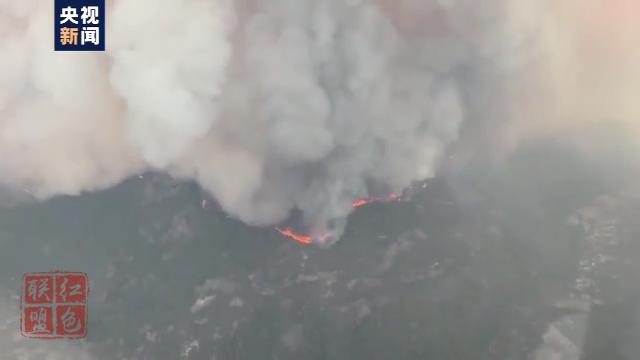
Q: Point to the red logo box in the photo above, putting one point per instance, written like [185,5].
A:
[53,305]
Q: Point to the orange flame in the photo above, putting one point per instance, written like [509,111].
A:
[359,202]
[288,232]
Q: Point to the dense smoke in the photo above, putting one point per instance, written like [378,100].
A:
[289,104]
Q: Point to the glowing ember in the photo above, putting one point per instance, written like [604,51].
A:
[288,232]
[393,197]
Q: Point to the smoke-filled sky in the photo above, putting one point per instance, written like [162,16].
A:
[302,104]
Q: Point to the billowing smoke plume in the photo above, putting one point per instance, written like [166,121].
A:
[269,105]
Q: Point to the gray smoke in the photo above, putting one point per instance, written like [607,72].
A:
[269,106]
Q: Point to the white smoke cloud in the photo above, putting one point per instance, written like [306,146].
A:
[169,72]
[61,125]
[270,106]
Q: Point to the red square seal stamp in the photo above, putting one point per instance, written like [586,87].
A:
[53,305]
